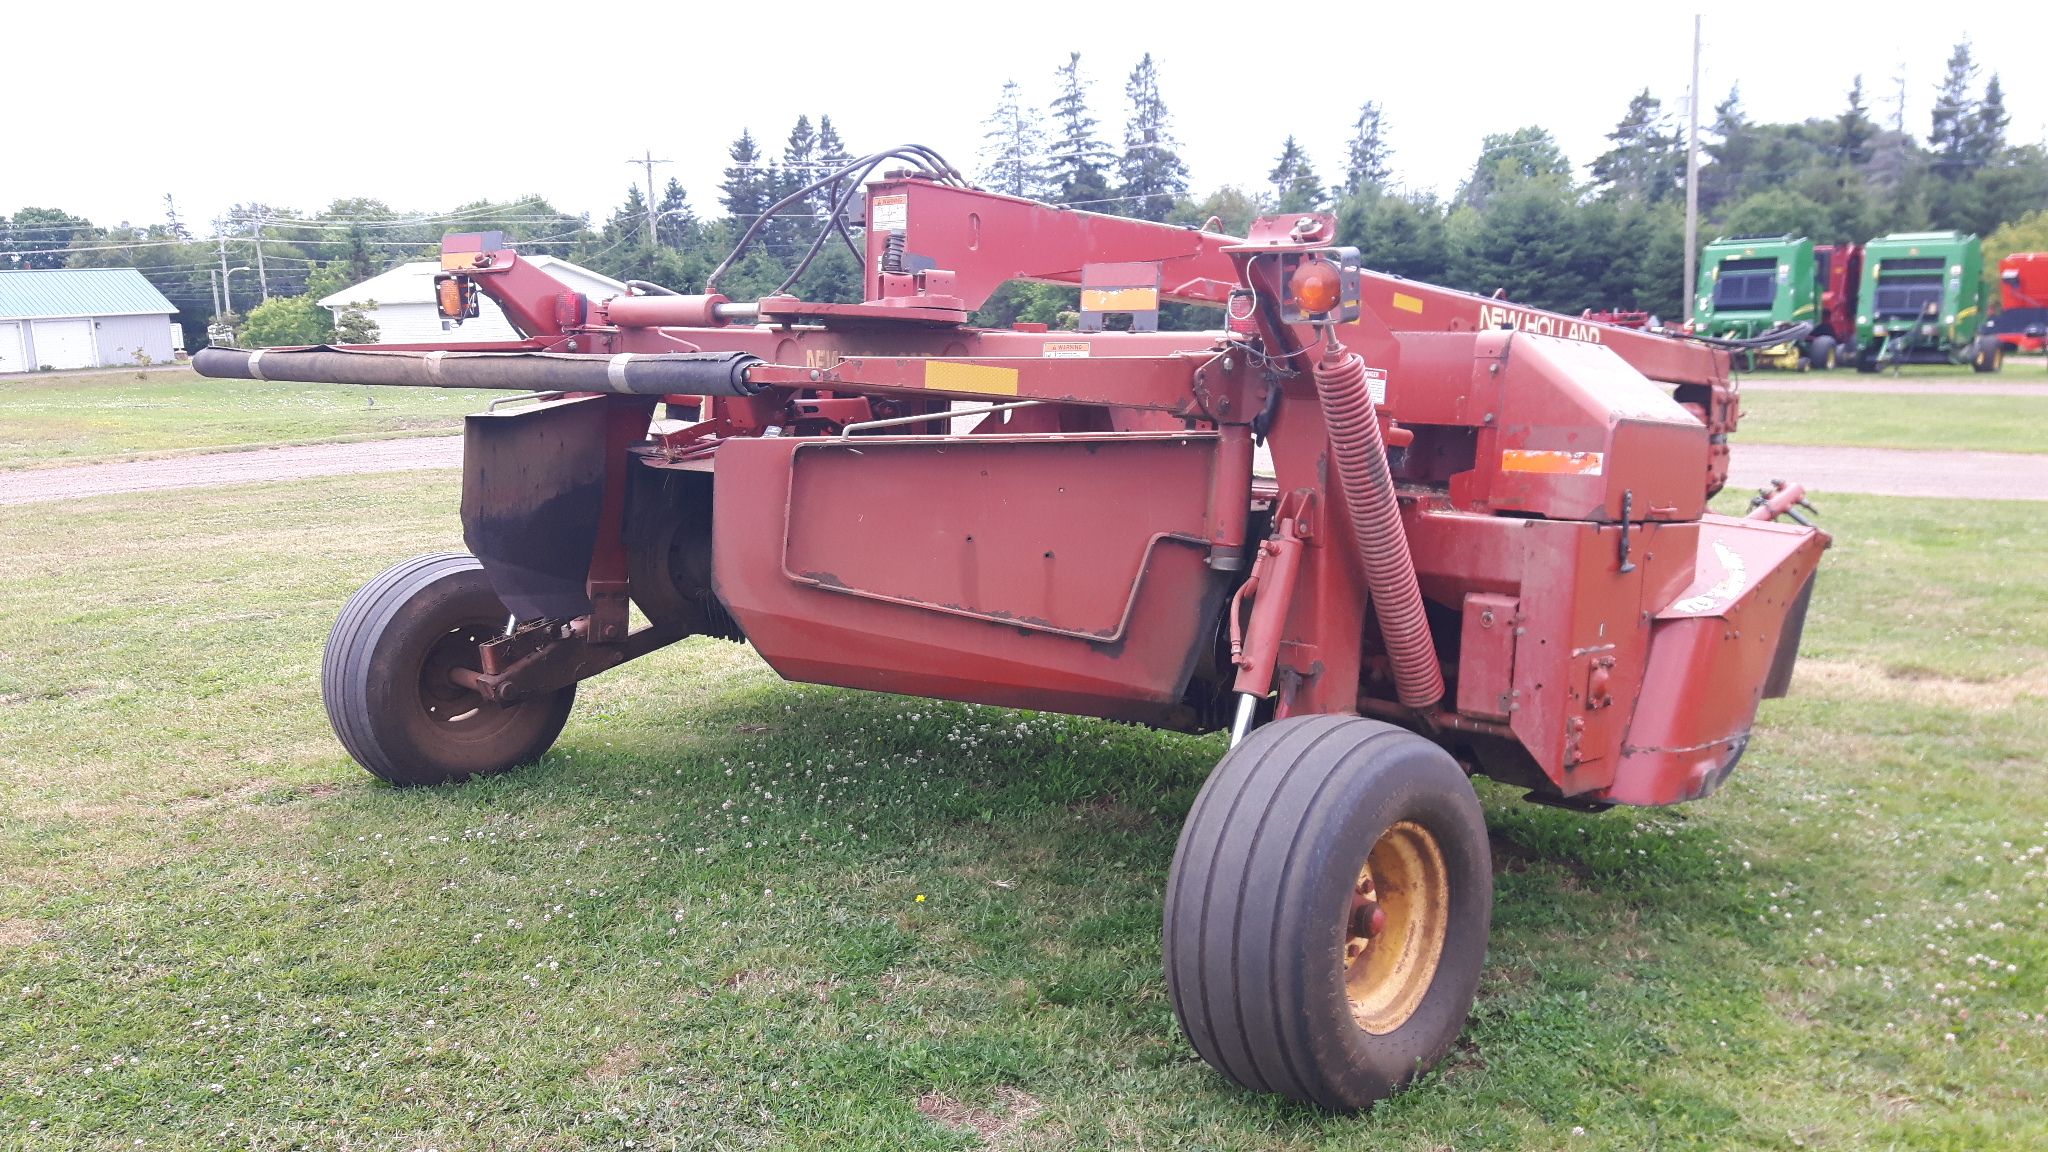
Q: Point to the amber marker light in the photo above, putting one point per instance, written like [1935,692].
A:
[1316,287]
[451,301]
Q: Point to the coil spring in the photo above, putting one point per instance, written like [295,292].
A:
[892,252]
[1368,487]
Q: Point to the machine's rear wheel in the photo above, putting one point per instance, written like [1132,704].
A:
[1990,356]
[1327,913]
[1866,360]
[385,677]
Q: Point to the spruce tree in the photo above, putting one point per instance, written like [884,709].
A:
[1367,160]
[675,224]
[1079,162]
[1854,128]
[1987,126]
[796,225]
[748,182]
[1154,177]
[832,155]
[1013,148]
[1951,129]
[1646,160]
[1507,159]
[1296,187]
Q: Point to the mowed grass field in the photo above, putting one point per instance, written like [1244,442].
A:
[48,420]
[730,912]
[1976,423]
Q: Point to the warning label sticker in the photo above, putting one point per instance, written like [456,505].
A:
[1066,349]
[1376,384]
[889,213]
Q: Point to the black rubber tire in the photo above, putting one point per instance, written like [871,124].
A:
[1822,352]
[1260,889]
[1866,361]
[384,677]
[670,571]
[1990,356]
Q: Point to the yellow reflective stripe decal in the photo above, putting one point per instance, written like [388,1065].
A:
[979,378]
[1407,303]
[1120,299]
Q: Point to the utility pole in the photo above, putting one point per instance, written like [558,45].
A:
[1692,177]
[648,162]
[229,292]
[256,230]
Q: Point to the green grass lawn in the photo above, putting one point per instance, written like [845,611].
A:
[46,420]
[729,912]
[2026,369]
[1981,423]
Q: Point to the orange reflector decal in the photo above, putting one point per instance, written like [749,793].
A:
[1554,463]
[1119,299]
[979,378]
[1407,303]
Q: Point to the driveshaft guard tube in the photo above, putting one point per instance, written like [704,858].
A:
[655,374]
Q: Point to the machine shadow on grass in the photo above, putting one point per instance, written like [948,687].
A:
[1056,833]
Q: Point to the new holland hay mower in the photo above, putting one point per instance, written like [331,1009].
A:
[1483,548]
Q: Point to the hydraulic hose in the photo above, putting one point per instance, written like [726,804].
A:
[1368,488]
[1770,339]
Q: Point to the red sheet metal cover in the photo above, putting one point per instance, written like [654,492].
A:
[1710,654]
[1058,572]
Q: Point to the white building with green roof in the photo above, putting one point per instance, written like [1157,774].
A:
[83,318]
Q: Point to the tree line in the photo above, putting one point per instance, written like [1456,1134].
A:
[1522,223]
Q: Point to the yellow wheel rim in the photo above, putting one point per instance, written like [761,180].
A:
[1394,928]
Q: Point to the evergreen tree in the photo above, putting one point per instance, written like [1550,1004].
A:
[1952,129]
[1367,159]
[1013,149]
[1296,187]
[749,184]
[1511,158]
[1524,243]
[1153,175]
[795,226]
[1079,162]
[628,225]
[1647,160]
[1854,128]
[833,155]
[1987,126]
[1404,235]
[675,224]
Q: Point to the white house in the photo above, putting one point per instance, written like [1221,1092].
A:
[83,318]
[406,314]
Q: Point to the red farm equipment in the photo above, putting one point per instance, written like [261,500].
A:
[1483,547]
[2022,322]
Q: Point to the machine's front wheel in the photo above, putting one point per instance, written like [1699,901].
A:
[385,677]
[1327,913]
[1822,352]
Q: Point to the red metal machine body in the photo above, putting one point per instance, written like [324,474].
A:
[1089,544]
[2022,321]
[1839,269]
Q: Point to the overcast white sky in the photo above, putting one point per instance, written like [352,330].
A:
[424,105]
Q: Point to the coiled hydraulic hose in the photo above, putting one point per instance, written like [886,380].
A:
[1376,525]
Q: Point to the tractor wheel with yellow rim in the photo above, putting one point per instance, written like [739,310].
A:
[1327,912]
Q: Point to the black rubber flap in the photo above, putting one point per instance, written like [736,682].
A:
[532,489]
